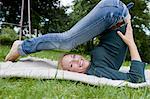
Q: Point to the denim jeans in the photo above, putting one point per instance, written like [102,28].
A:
[104,15]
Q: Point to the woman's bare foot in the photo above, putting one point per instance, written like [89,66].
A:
[13,53]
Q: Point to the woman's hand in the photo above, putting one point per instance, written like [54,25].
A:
[129,40]
[128,37]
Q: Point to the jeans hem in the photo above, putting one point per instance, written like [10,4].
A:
[20,50]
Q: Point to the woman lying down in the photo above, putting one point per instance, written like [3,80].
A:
[107,58]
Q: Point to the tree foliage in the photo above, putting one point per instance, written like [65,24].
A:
[7,36]
[47,15]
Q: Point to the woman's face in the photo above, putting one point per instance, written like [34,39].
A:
[75,63]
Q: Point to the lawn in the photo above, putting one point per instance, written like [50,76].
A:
[23,88]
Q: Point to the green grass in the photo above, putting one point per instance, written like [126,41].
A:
[23,88]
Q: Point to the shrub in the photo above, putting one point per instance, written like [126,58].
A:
[7,36]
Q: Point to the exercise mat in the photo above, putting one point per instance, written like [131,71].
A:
[37,68]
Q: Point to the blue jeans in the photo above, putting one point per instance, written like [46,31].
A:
[104,15]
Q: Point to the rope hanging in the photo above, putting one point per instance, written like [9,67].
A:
[29,19]
[21,20]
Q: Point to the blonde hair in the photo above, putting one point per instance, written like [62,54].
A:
[60,66]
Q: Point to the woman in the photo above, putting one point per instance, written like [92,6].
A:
[104,15]
[107,58]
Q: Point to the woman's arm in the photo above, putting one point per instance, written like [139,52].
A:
[136,72]
[134,52]
[129,40]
